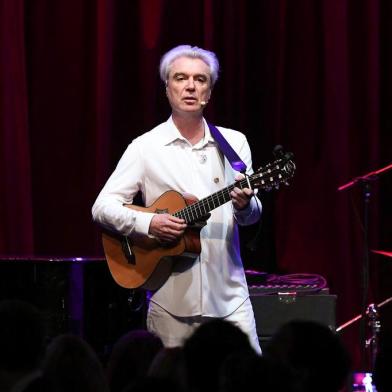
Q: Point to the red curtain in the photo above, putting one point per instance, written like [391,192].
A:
[79,80]
[16,225]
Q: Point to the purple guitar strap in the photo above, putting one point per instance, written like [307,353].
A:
[228,151]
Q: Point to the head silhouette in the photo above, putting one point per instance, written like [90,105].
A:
[207,349]
[71,365]
[22,336]
[131,358]
[314,354]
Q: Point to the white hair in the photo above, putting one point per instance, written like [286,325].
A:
[189,51]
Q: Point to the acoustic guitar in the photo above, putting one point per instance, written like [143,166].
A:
[144,262]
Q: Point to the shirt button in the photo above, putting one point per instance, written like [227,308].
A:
[216,180]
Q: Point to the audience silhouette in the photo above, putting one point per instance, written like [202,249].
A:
[169,364]
[303,356]
[206,350]
[247,371]
[131,358]
[71,364]
[314,355]
[152,384]
[22,345]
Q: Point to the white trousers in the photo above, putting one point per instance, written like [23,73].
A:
[174,330]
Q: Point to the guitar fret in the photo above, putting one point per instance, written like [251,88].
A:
[195,214]
[180,214]
[228,193]
[187,214]
[196,205]
[212,199]
[196,210]
[208,203]
[191,212]
[206,210]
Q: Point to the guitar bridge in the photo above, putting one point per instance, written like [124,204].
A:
[126,248]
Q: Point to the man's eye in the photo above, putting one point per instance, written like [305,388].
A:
[179,78]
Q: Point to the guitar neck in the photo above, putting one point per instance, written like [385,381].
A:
[200,209]
[268,177]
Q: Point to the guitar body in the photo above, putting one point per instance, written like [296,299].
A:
[148,263]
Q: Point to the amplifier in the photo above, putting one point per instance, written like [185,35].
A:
[300,289]
[273,310]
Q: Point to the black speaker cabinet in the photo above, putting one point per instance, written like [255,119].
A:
[272,311]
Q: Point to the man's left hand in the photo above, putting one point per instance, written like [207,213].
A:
[241,197]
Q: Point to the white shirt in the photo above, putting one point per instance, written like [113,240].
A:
[214,283]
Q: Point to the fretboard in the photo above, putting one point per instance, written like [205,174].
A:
[198,210]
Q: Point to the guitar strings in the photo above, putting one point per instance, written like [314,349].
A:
[191,214]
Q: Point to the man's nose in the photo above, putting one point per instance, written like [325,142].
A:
[191,84]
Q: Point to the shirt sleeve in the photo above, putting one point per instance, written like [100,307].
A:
[251,214]
[109,208]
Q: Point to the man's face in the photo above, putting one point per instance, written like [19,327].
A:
[188,85]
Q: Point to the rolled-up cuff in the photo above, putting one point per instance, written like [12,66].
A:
[142,223]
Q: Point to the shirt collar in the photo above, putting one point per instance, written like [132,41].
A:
[174,134]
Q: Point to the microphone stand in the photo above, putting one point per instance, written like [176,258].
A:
[365,182]
[372,313]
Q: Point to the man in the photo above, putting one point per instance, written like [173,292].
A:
[181,155]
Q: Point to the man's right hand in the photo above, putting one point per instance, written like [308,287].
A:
[167,228]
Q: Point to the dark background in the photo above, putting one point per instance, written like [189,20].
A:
[79,80]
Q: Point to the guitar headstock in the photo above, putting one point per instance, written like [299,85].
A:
[275,173]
